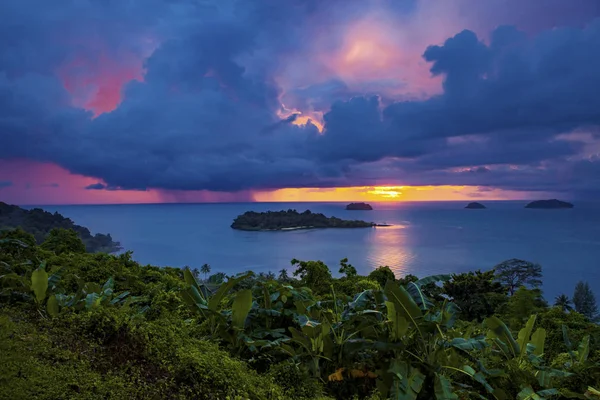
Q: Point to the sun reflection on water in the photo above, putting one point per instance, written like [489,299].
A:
[387,246]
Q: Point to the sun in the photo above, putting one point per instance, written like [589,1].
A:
[388,192]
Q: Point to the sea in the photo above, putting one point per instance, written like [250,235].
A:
[425,238]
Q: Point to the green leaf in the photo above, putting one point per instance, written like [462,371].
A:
[52,306]
[478,377]
[470,344]
[215,300]
[399,324]
[39,283]
[433,279]
[119,298]
[408,381]
[189,278]
[525,334]
[241,307]
[527,393]
[403,303]
[54,279]
[443,388]
[498,330]
[538,339]
[584,349]
[568,342]
[92,300]
[108,287]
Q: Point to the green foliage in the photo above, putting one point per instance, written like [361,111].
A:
[381,275]
[62,241]
[477,294]
[296,382]
[40,223]
[515,273]
[313,274]
[563,302]
[103,326]
[585,301]
[347,269]
[523,303]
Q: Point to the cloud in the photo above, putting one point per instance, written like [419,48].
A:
[186,96]
[5,184]
[96,186]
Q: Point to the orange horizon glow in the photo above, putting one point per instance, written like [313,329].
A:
[44,183]
[387,194]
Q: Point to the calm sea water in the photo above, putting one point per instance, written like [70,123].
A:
[427,238]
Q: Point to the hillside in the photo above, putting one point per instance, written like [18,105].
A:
[39,223]
[98,326]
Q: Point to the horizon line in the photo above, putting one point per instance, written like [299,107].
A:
[281,202]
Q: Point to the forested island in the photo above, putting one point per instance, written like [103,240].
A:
[96,326]
[39,223]
[359,206]
[553,203]
[292,220]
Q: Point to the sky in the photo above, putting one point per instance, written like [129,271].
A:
[145,101]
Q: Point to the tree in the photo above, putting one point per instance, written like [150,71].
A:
[522,305]
[205,269]
[563,302]
[314,274]
[62,241]
[585,301]
[477,294]
[346,268]
[283,275]
[515,273]
[382,275]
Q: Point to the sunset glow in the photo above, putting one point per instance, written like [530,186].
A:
[386,194]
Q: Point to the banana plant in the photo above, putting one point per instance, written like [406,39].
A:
[434,360]
[209,306]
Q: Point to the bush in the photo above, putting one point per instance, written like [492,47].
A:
[382,275]
[297,383]
[63,241]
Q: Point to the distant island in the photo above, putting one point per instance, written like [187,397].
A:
[292,220]
[475,206]
[39,223]
[549,204]
[359,206]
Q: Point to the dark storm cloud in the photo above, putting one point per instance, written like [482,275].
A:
[505,103]
[205,116]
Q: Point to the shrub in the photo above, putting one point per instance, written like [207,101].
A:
[297,383]
[382,275]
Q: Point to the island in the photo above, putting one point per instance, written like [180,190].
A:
[39,223]
[475,206]
[359,206]
[292,220]
[553,203]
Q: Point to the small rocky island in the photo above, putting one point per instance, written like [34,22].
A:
[359,206]
[292,220]
[553,203]
[475,206]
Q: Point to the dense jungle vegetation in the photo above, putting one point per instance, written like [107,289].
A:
[79,325]
[39,223]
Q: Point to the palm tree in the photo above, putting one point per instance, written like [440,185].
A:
[205,269]
[563,302]
[283,275]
